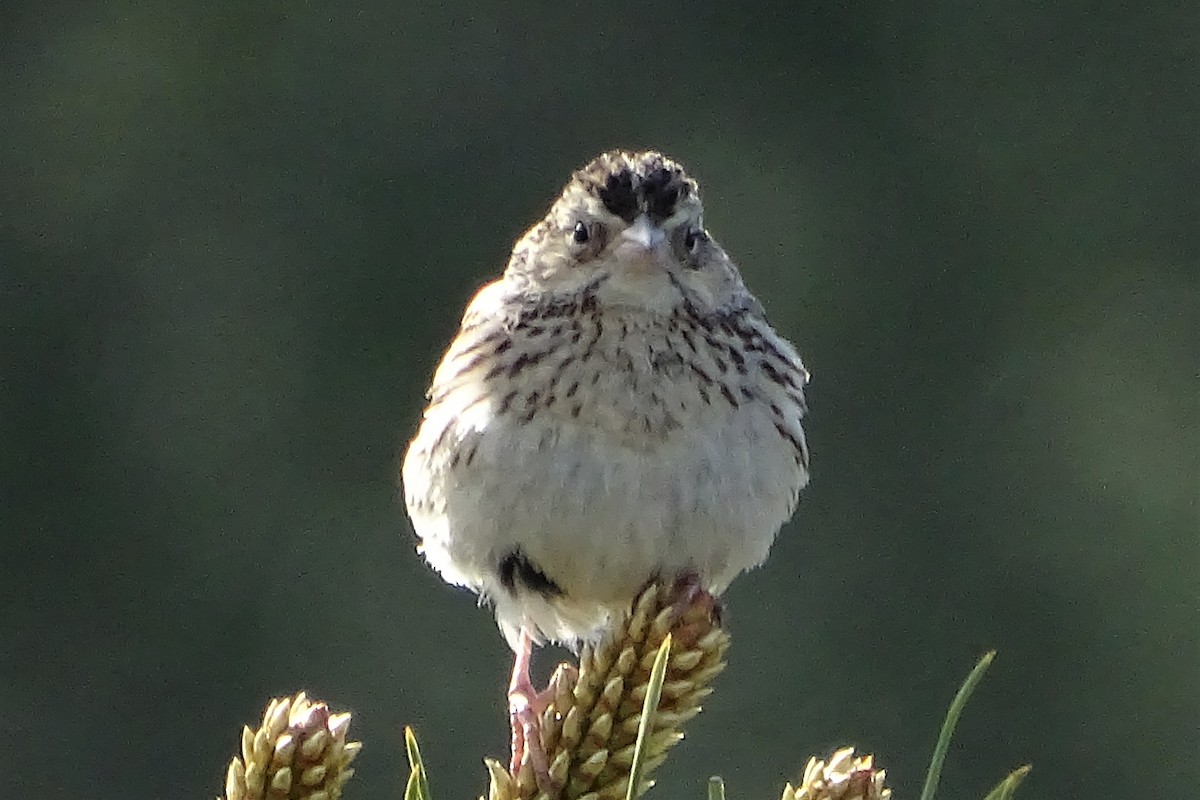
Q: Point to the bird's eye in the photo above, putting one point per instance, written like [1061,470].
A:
[581,234]
[692,239]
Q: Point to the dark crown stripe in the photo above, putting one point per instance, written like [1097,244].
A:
[630,185]
[618,195]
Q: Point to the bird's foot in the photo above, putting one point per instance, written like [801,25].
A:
[691,599]
[525,708]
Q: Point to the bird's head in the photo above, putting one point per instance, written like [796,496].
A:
[628,230]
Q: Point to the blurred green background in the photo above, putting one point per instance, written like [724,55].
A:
[234,238]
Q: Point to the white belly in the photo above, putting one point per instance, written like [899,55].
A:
[564,463]
[601,515]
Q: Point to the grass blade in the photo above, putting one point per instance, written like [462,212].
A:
[1006,788]
[418,784]
[658,674]
[955,711]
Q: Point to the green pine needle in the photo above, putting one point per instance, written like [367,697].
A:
[418,783]
[952,715]
[716,788]
[1006,788]
[658,674]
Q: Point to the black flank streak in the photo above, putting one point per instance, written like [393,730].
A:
[572,389]
[776,352]
[704,377]
[775,375]
[750,338]
[506,402]
[475,361]
[494,371]
[518,364]
[440,442]
[729,396]
[786,434]
[687,339]
[599,331]
[515,569]
[559,369]
[739,360]
[526,360]
[481,342]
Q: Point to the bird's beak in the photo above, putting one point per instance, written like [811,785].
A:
[643,235]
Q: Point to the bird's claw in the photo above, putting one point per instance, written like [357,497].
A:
[525,708]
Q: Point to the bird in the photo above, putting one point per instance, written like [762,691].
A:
[614,409]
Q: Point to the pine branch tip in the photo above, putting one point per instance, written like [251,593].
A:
[299,751]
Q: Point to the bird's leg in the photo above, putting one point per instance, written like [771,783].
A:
[687,590]
[689,593]
[525,707]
